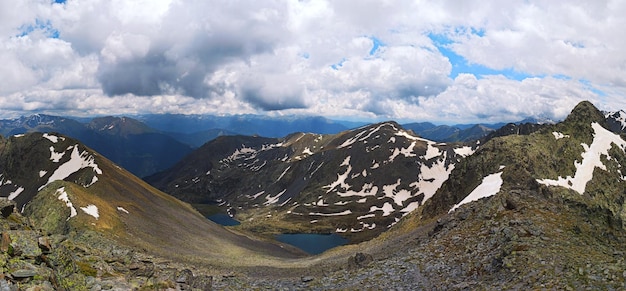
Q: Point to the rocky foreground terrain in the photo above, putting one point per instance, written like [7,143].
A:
[32,259]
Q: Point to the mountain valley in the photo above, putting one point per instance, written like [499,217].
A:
[529,206]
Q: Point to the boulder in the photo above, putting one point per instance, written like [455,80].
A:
[360,260]
[24,243]
[5,242]
[187,281]
[201,282]
[44,244]
[6,207]
[23,273]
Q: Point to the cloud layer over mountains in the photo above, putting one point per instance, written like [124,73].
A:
[419,60]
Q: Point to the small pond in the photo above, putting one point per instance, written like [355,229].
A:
[223,219]
[312,243]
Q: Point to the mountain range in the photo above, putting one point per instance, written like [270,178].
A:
[152,143]
[530,206]
[127,142]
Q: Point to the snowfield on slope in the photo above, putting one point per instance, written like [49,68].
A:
[490,186]
[63,197]
[78,161]
[602,142]
[91,210]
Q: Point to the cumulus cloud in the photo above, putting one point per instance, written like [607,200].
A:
[373,60]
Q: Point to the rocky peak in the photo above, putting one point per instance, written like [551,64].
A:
[586,113]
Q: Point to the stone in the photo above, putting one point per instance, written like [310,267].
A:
[184,276]
[202,282]
[24,243]
[6,207]
[307,279]
[44,244]
[5,242]
[23,273]
[7,286]
[45,286]
[359,260]
[142,269]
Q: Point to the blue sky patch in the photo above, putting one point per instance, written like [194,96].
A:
[338,65]
[44,26]
[591,88]
[460,65]
[376,44]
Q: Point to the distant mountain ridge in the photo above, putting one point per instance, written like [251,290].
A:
[128,142]
[243,124]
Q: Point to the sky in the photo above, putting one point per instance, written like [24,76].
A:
[439,61]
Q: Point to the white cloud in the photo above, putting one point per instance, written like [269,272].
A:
[311,57]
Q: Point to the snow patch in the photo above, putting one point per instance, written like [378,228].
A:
[368,189]
[406,152]
[464,151]
[54,156]
[620,117]
[387,209]
[360,136]
[122,209]
[341,178]
[558,135]
[432,151]
[18,135]
[283,174]
[490,186]
[409,208]
[602,142]
[16,193]
[430,179]
[91,210]
[255,196]
[398,196]
[273,199]
[345,212]
[93,181]
[42,173]
[63,197]
[77,162]
[53,138]
[4,182]
[371,215]
[243,152]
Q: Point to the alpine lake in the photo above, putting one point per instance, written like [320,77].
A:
[311,243]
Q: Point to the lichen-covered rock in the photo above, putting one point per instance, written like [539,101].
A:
[24,243]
